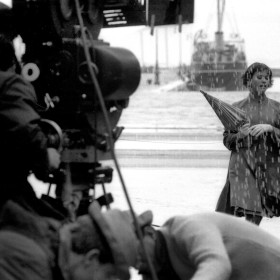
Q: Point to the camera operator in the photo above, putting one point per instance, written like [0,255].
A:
[98,245]
[23,145]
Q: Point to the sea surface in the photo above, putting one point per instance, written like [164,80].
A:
[157,107]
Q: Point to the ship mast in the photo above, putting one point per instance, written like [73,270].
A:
[219,35]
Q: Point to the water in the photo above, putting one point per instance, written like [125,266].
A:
[152,107]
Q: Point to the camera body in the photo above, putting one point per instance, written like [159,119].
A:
[55,62]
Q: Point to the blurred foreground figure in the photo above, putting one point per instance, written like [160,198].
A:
[210,246]
[98,246]
[253,181]
[23,145]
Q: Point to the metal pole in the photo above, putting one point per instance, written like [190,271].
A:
[180,72]
[142,48]
[166,47]
[180,55]
[156,65]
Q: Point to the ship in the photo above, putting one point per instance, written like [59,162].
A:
[218,64]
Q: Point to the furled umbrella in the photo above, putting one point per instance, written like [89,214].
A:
[231,117]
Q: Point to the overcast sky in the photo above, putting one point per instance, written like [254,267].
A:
[257,21]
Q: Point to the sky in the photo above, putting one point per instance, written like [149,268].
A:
[257,22]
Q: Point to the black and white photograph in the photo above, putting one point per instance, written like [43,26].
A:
[140,139]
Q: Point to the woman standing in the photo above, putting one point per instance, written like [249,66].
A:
[253,178]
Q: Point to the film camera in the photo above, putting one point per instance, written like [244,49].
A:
[63,57]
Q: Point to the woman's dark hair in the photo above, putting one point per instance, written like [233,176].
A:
[252,69]
[7,54]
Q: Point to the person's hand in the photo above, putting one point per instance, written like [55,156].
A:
[259,129]
[54,158]
[244,130]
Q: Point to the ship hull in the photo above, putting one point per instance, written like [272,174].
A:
[219,77]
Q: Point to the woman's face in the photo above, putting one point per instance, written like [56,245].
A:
[260,82]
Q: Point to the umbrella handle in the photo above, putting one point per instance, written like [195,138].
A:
[242,123]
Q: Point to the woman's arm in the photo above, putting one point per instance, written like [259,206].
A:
[259,129]
[233,140]
[230,139]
